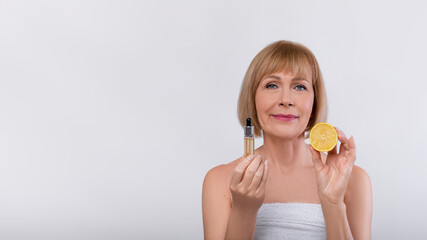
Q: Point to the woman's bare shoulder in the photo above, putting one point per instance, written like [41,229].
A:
[223,171]
[358,201]
[359,185]
[216,187]
[216,200]
[359,177]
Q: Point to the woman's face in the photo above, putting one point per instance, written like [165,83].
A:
[286,94]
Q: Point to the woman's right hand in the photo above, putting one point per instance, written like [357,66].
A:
[247,184]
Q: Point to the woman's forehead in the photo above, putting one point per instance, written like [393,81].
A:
[301,72]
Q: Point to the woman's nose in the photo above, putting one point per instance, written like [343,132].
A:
[286,100]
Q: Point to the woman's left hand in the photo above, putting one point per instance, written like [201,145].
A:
[333,175]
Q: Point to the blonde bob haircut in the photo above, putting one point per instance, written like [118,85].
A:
[278,56]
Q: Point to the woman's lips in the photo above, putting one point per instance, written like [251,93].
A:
[286,118]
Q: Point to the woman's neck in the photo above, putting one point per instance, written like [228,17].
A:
[286,153]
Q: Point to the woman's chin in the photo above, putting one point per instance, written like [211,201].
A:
[286,135]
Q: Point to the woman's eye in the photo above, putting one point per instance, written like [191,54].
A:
[301,87]
[270,84]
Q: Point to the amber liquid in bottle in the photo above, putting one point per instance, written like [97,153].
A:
[249,138]
[249,146]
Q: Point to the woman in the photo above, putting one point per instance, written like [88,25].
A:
[286,189]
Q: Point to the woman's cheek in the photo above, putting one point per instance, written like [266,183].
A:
[309,105]
[308,108]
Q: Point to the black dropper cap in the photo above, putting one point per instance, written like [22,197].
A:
[248,122]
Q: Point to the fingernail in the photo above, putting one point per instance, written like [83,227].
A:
[251,157]
[266,162]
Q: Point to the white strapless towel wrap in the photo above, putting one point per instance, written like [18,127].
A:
[290,221]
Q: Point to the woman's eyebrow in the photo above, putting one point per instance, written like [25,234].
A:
[293,79]
[273,76]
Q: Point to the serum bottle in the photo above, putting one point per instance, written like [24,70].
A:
[249,137]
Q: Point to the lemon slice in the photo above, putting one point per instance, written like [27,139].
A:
[323,137]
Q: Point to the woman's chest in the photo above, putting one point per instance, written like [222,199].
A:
[296,186]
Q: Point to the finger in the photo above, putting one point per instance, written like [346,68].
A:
[333,151]
[352,146]
[257,177]
[317,160]
[237,175]
[338,132]
[250,171]
[344,141]
[261,186]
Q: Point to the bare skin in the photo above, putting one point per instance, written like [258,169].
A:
[233,192]
[299,185]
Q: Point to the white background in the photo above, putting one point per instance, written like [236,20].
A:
[112,112]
